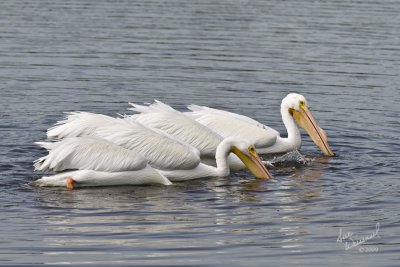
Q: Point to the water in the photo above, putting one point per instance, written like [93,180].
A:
[242,56]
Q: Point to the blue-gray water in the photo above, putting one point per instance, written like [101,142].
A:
[242,56]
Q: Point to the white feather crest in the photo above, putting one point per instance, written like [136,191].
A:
[78,124]
[162,151]
[163,117]
[89,153]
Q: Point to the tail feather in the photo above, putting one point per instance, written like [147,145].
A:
[39,164]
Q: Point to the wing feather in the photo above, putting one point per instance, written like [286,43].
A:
[199,111]
[161,116]
[89,153]
[162,151]
[78,124]
[231,124]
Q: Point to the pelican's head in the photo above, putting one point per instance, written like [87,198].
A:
[248,155]
[297,107]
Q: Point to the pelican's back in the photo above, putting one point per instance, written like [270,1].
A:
[162,151]
[161,116]
[78,124]
[231,124]
[89,153]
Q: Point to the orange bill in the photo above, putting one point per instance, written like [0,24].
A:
[306,120]
[253,162]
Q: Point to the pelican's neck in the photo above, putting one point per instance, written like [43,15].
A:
[293,140]
[221,158]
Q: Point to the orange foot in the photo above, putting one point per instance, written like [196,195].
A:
[70,183]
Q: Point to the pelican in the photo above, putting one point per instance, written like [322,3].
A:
[89,161]
[174,159]
[294,107]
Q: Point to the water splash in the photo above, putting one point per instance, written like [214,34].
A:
[290,159]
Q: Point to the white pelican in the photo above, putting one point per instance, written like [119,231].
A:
[88,161]
[265,139]
[174,159]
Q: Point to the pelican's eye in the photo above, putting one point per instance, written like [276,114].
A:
[302,104]
[252,150]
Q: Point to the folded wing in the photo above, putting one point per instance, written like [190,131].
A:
[162,151]
[161,116]
[231,124]
[78,124]
[88,153]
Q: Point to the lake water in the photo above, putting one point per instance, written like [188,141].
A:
[242,56]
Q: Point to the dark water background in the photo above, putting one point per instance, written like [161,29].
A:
[242,56]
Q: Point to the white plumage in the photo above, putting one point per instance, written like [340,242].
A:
[78,124]
[161,116]
[88,153]
[162,151]
[176,160]
[185,129]
[92,162]
[231,124]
